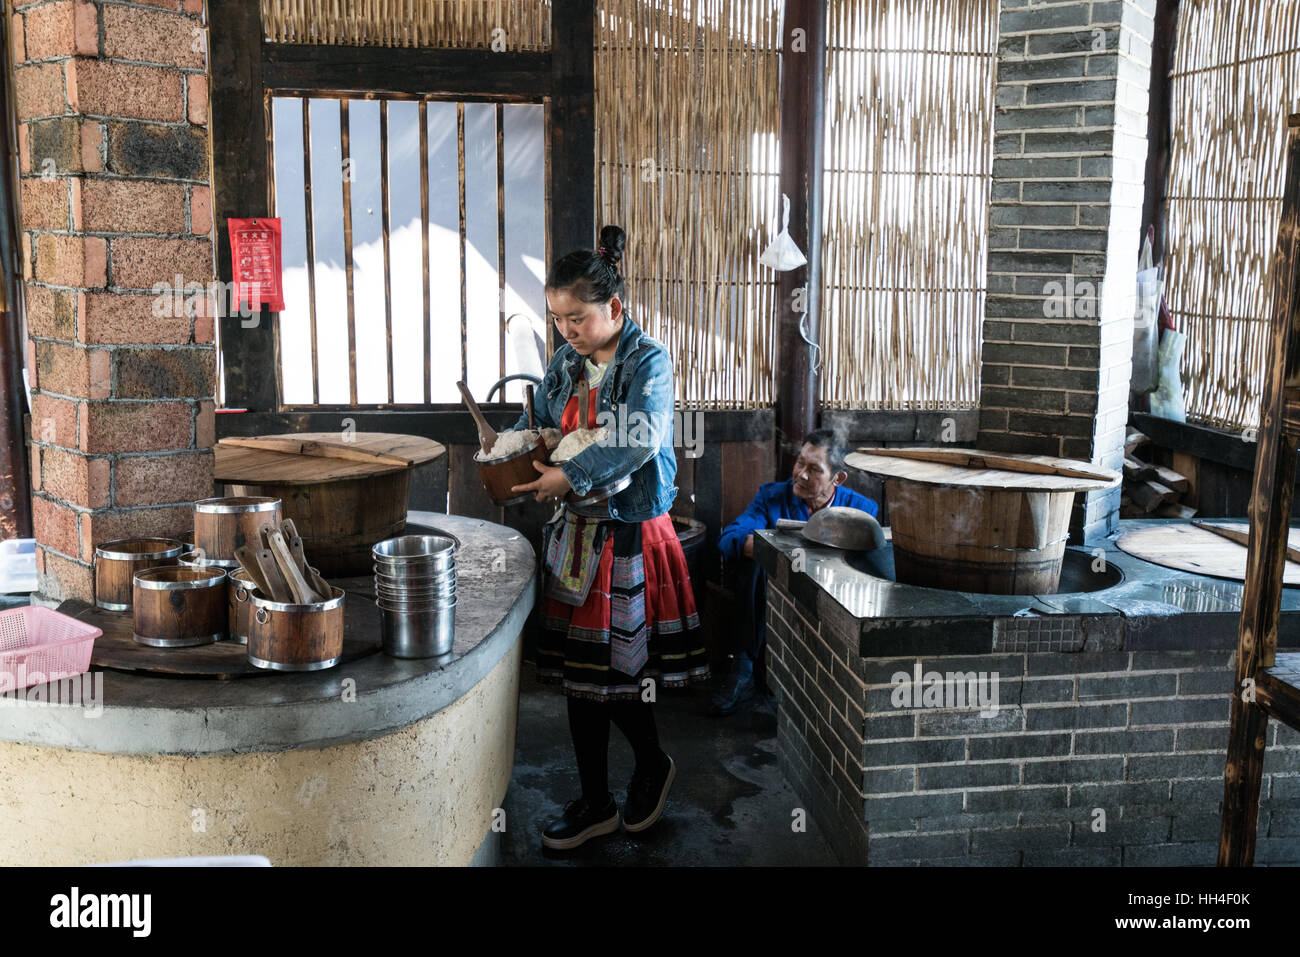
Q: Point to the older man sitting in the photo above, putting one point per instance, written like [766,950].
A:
[816,482]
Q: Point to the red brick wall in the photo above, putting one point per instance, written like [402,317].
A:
[112,105]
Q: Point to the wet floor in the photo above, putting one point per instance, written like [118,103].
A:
[729,805]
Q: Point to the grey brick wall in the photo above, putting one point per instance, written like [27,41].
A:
[1068,168]
[1140,736]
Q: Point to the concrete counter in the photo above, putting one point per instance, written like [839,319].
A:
[375,761]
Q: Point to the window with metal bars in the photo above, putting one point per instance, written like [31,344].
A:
[415,248]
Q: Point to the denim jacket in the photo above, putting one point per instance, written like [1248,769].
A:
[636,402]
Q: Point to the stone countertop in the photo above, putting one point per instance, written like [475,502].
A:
[1153,608]
[143,714]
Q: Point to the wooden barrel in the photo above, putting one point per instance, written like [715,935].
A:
[994,541]
[345,491]
[178,607]
[499,476]
[239,589]
[292,637]
[976,521]
[339,521]
[222,525]
[117,562]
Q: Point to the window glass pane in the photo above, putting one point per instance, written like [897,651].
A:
[290,207]
[368,252]
[483,326]
[525,238]
[444,253]
[405,250]
[327,232]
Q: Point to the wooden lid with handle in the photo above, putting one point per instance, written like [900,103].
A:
[972,467]
[300,458]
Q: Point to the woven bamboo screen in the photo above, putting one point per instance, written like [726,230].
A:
[909,148]
[686,135]
[1235,77]
[450,24]
[687,120]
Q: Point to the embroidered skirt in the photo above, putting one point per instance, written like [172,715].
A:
[638,621]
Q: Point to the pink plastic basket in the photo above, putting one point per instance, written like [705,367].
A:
[40,644]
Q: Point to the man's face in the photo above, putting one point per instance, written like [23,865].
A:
[814,482]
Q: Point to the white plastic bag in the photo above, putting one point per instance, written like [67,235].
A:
[783,254]
[1167,400]
[1150,288]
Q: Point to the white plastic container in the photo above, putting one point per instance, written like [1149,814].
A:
[17,566]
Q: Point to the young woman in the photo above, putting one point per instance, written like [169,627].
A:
[619,614]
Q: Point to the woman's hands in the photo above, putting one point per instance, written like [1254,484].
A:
[552,484]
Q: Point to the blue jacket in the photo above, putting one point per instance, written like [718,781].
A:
[636,402]
[777,500]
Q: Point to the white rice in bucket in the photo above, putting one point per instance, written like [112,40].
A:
[508,444]
[578,440]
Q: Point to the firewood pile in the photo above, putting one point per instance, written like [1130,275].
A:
[1150,490]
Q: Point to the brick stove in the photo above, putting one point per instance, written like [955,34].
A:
[1108,743]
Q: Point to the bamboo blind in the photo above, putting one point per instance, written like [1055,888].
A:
[686,136]
[909,147]
[1234,79]
[687,95]
[450,24]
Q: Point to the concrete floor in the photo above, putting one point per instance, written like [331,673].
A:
[729,806]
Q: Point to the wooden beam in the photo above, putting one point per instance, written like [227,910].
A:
[571,130]
[1216,445]
[458,74]
[803,78]
[1158,124]
[1274,482]
[15,481]
[240,186]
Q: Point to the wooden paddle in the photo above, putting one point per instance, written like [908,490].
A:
[253,569]
[1243,538]
[313,578]
[985,460]
[261,565]
[487,436]
[302,593]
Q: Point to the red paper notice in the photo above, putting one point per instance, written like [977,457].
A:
[255,256]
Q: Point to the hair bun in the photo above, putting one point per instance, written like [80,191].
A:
[612,242]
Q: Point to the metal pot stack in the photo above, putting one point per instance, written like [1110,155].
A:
[415,588]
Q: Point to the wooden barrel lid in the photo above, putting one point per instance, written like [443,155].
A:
[974,468]
[305,458]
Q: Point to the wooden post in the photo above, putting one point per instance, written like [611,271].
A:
[15,484]
[1270,507]
[240,187]
[1158,127]
[571,128]
[803,80]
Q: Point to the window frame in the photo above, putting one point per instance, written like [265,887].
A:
[247,72]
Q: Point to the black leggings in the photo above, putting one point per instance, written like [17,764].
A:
[589,726]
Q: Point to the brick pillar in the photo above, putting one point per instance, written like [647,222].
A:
[112,105]
[1064,234]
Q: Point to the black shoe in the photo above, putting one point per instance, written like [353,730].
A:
[739,690]
[646,797]
[579,823]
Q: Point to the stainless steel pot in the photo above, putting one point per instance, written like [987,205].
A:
[418,633]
